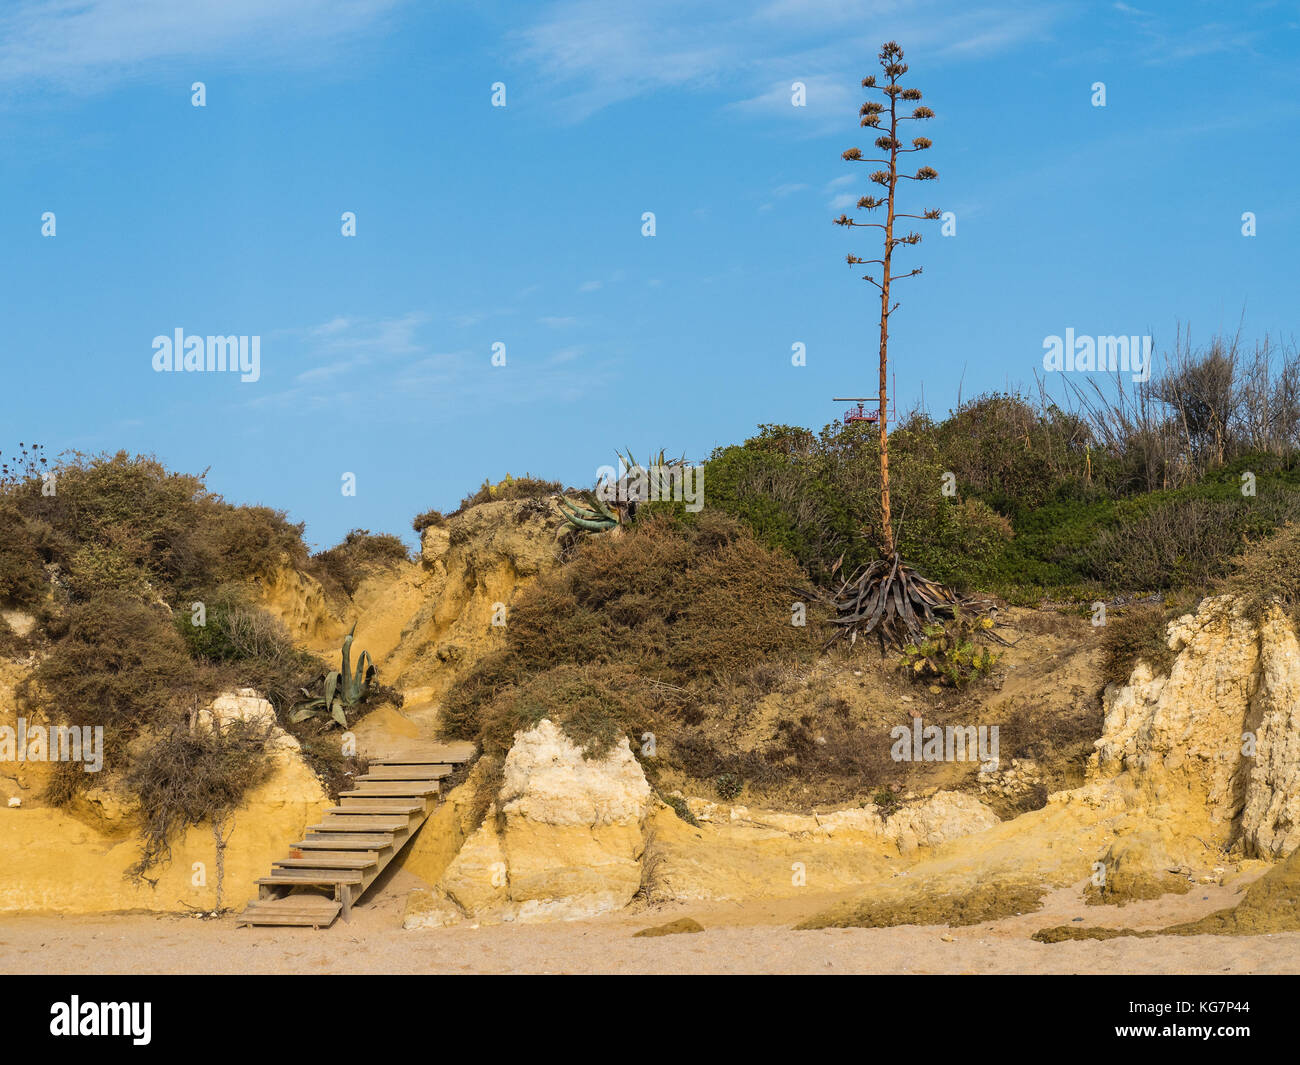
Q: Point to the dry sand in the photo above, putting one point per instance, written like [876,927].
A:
[751,937]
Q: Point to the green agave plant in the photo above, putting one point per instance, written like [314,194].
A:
[661,459]
[343,689]
[597,516]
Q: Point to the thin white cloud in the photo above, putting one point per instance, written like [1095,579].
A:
[825,99]
[89,44]
[591,54]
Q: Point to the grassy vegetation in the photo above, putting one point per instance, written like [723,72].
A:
[428,519]
[247,647]
[1267,575]
[124,524]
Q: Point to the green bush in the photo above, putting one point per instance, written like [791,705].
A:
[252,649]
[1011,454]
[814,496]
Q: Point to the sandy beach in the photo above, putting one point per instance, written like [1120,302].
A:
[752,937]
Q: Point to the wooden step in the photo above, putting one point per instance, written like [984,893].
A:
[311,876]
[394,789]
[408,772]
[345,841]
[354,807]
[331,858]
[325,861]
[457,752]
[353,842]
[310,911]
[367,823]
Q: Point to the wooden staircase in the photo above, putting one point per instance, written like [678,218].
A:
[331,868]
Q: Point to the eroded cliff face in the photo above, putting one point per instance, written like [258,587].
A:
[299,601]
[563,839]
[1222,729]
[427,622]
[475,566]
[1189,767]
[1196,776]
[570,837]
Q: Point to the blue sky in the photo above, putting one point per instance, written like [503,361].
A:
[522,225]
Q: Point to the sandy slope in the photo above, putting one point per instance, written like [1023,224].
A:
[740,938]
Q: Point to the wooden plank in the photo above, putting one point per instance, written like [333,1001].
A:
[368,823]
[381,807]
[279,907]
[342,841]
[324,861]
[394,789]
[331,859]
[305,911]
[312,904]
[354,807]
[314,923]
[454,753]
[417,771]
[295,877]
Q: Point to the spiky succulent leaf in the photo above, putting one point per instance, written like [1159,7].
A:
[603,525]
[307,710]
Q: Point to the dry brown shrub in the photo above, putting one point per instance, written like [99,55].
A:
[1138,634]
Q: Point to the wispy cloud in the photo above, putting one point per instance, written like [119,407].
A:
[594,54]
[332,349]
[823,99]
[90,44]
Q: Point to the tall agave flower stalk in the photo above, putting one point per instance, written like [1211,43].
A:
[887,597]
